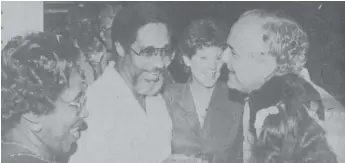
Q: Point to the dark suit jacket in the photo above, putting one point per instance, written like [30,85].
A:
[220,139]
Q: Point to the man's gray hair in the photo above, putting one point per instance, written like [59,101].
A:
[286,39]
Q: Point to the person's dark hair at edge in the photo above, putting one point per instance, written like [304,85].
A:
[292,139]
[132,17]
[35,70]
[292,136]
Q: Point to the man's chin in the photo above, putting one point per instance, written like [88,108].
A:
[151,89]
[238,87]
[156,89]
[66,148]
[210,85]
[66,152]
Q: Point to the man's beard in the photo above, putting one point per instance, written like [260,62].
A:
[146,87]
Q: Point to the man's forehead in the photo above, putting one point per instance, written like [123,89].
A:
[153,34]
[247,35]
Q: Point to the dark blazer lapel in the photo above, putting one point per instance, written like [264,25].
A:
[222,118]
[217,102]
[186,104]
[215,109]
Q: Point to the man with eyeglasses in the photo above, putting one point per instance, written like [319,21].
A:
[128,121]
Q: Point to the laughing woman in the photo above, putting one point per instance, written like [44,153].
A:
[42,89]
[206,124]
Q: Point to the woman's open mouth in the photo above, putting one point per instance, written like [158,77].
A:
[78,127]
[212,74]
[152,76]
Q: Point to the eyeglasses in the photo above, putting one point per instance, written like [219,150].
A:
[78,102]
[151,51]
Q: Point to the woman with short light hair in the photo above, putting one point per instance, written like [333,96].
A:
[42,98]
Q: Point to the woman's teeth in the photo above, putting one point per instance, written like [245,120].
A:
[75,132]
[154,73]
[212,74]
[153,76]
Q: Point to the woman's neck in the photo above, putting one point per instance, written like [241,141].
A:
[25,138]
[200,93]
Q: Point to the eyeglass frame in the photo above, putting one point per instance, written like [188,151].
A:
[79,104]
[142,52]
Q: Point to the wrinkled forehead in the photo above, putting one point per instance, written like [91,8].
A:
[153,34]
[247,36]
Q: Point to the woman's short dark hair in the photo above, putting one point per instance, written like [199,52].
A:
[202,33]
[133,16]
[35,70]
[292,136]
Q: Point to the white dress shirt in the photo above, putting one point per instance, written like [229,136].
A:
[119,130]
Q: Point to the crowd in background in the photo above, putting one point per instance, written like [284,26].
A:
[320,20]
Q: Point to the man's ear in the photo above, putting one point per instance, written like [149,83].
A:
[119,49]
[33,121]
[186,60]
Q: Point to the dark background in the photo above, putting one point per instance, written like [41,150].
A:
[323,21]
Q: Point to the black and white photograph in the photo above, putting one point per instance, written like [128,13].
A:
[173,81]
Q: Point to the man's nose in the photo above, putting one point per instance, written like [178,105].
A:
[84,113]
[158,62]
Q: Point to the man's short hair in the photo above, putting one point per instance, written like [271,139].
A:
[127,22]
[286,38]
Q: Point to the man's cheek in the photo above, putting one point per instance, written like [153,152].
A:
[244,71]
[142,64]
[156,87]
